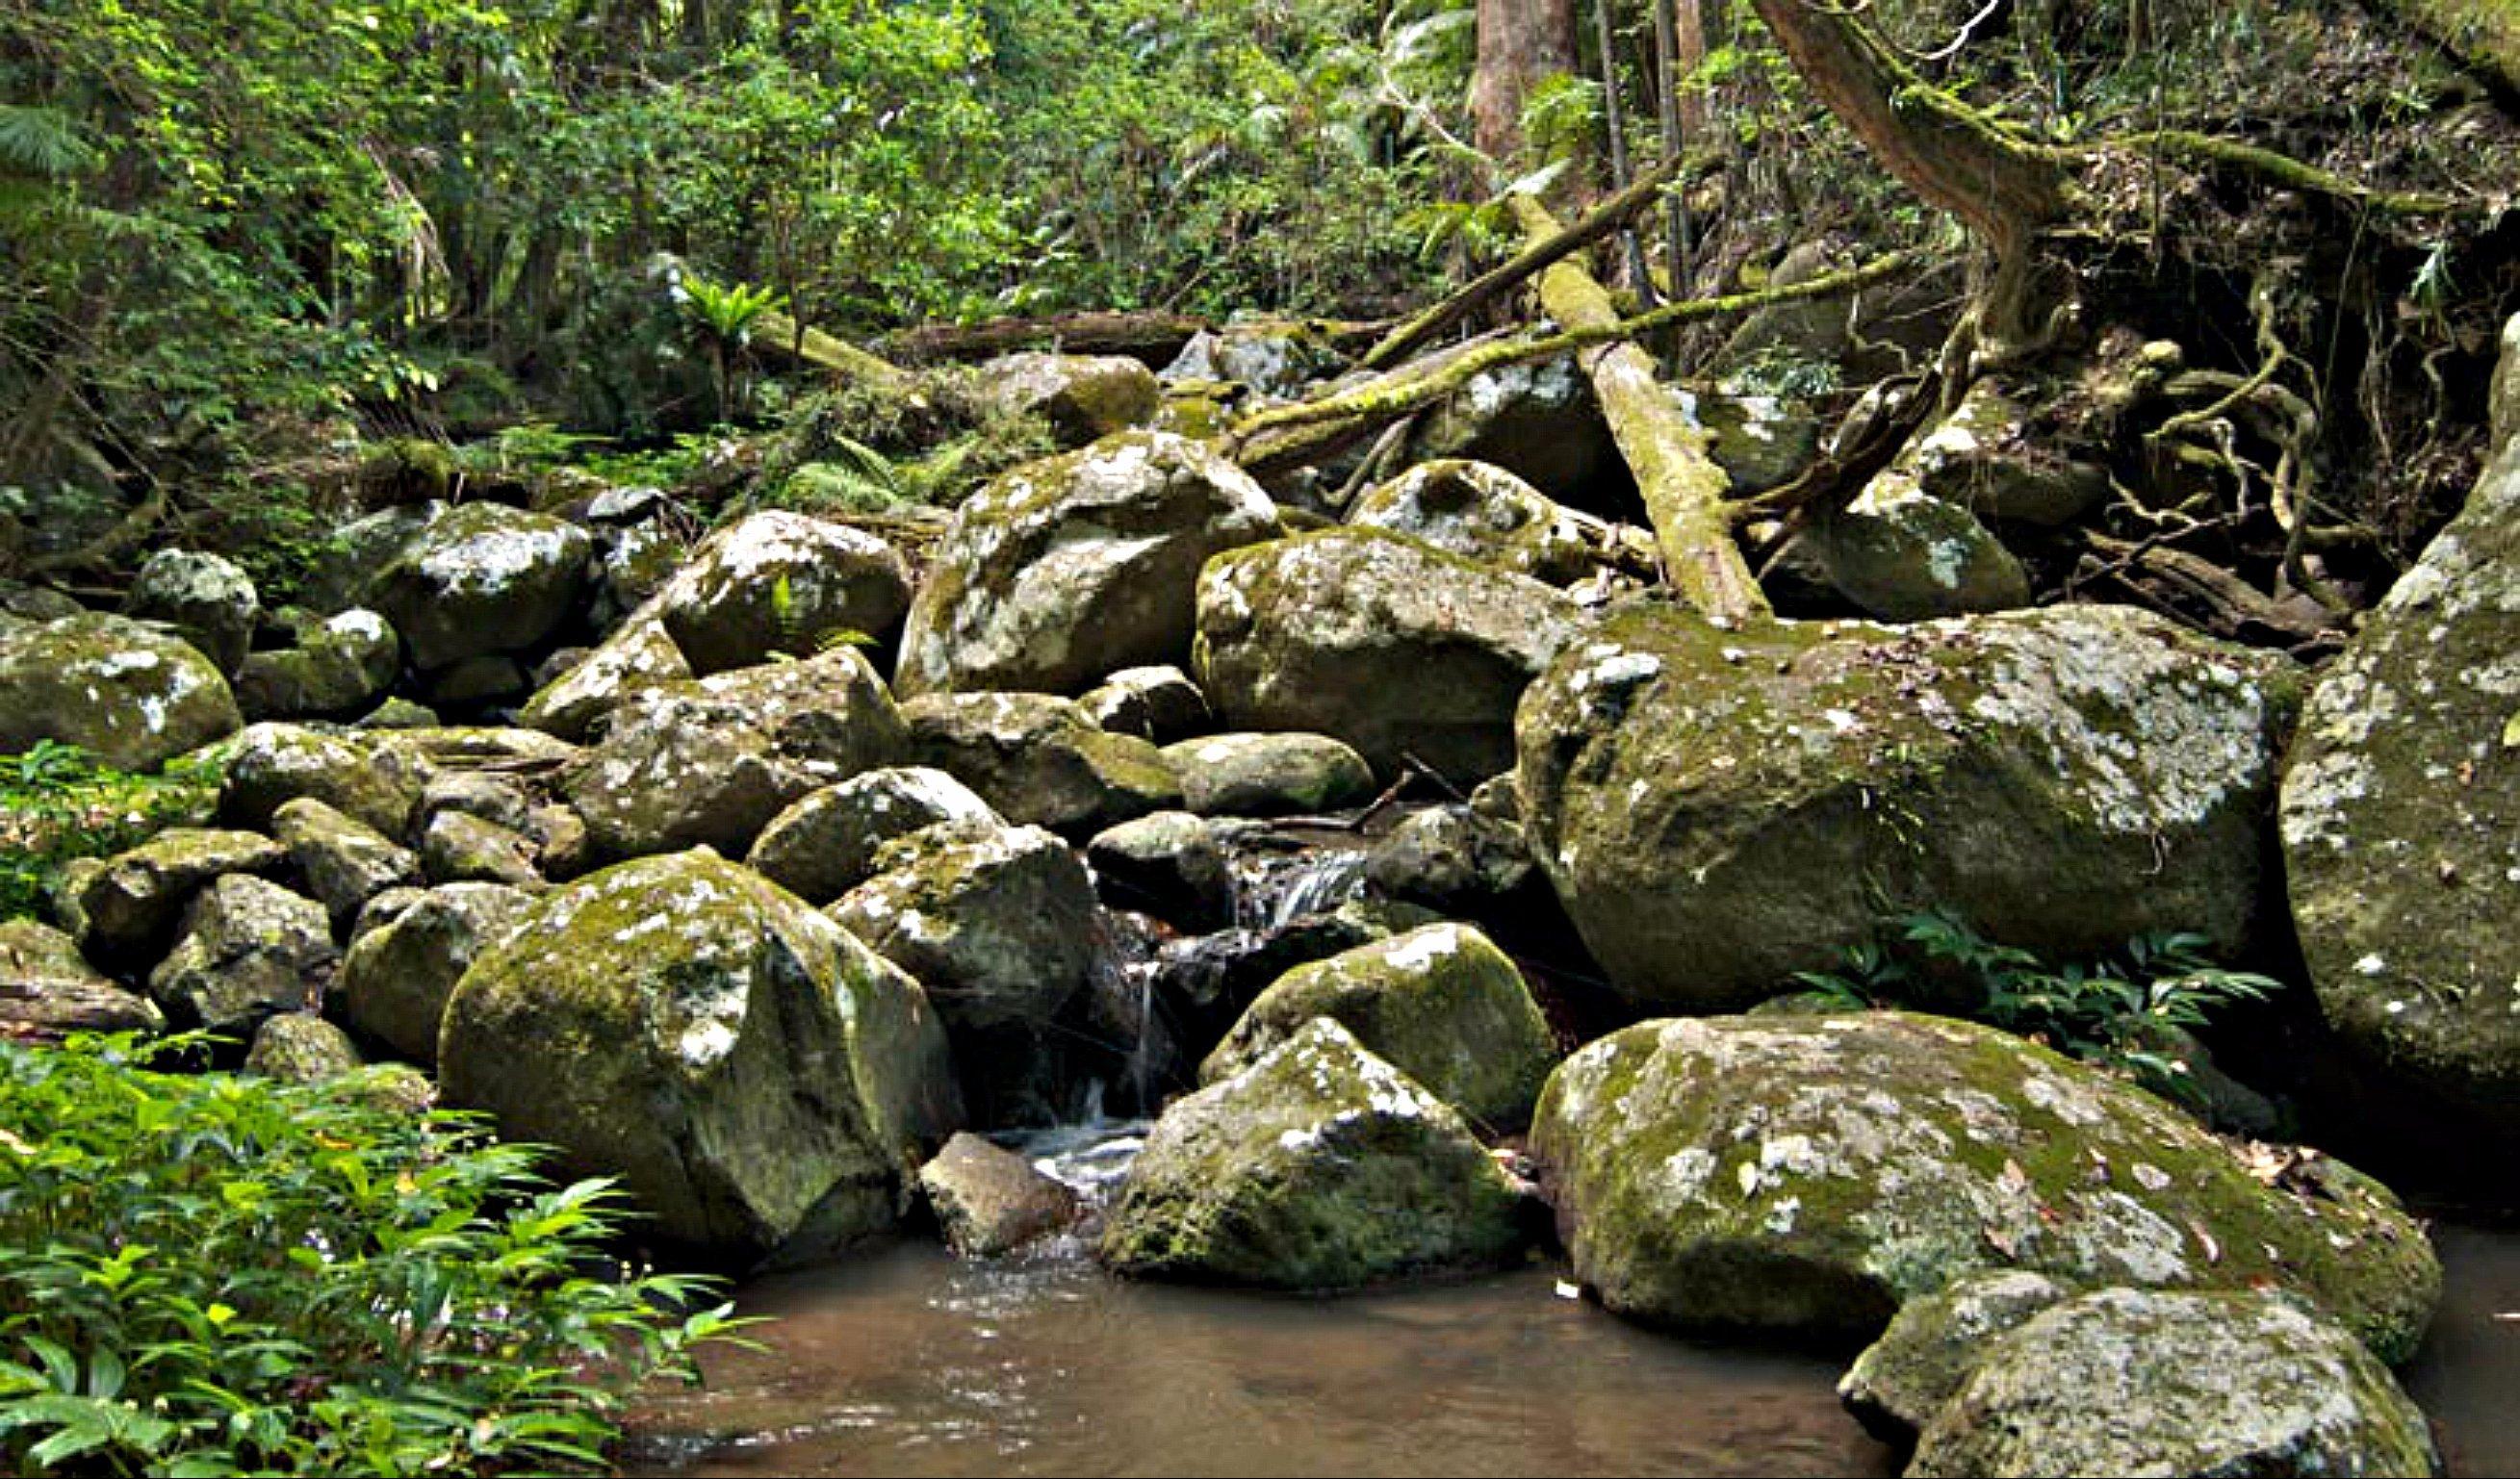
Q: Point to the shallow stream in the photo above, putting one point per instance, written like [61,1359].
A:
[902,1360]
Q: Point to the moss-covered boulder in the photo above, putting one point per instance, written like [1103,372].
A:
[398,975]
[459,847]
[204,598]
[1902,555]
[712,760]
[999,923]
[1984,456]
[639,654]
[1720,809]
[1393,646]
[1269,774]
[1812,1173]
[1487,515]
[270,765]
[1062,570]
[343,861]
[2136,1381]
[826,845]
[1157,703]
[249,948]
[780,582]
[1538,422]
[1271,357]
[338,669]
[1169,864]
[757,1077]
[301,1048]
[129,695]
[2401,821]
[128,907]
[1319,1167]
[483,578]
[1040,761]
[1439,1002]
[1921,1361]
[1081,396]
[49,991]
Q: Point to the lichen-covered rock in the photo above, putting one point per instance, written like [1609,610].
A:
[2401,821]
[458,848]
[338,668]
[990,1201]
[758,1078]
[712,760]
[48,990]
[1040,761]
[1539,422]
[1760,441]
[1483,513]
[999,923]
[483,578]
[1158,703]
[1271,358]
[301,1048]
[1319,1167]
[1169,864]
[400,971]
[1983,458]
[1268,774]
[249,948]
[207,600]
[1812,1173]
[1904,555]
[270,765]
[1439,1002]
[129,906]
[1082,396]
[2133,1381]
[128,694]
[1904,1378]
[1455,860]
[640,654]
[826,845]
[780,582]
[1062,570]
[345,862]
[1720,809]
[1389,644]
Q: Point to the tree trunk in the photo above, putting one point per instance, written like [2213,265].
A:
[1521,42]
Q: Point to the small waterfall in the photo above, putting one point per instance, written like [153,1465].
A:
[1273,890]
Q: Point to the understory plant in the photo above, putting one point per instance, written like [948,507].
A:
[57,804]
[2130,1012]
[210,1274]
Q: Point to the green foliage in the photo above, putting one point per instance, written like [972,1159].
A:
[2121,1013]
[57,804]
[212,1273]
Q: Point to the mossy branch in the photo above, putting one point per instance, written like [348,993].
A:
[2207,149]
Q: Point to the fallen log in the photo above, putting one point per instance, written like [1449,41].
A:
[1153,337]
[777,336]
[1664,446]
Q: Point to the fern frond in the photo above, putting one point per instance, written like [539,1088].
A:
[41,143]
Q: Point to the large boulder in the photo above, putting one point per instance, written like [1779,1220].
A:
[639,654]
[712,760]
[129,905]
[127,693]
[1538,422]
[780,582]
[338,668]
[397,977]
[483,578]
[1899,1381]
[1061,571]
[1082,396]
[1319,1167]
[1040,761]
[1490,515]
[48,990]
[758,1078]
[826,845]
[249,949]
[343,861]
[1439,1002]
[1987,458]
[270,765]
[2134,1381]
[1268,774]
[1394,647]
[1719,809]
[205,599]
[2401,821]
[999,923]
[1810,1175]
[988,1200]
[1902,555]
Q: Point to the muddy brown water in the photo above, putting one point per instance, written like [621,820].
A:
[904,1361]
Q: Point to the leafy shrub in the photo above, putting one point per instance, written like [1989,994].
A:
[2126,1012]
[57,804]
[209,1274]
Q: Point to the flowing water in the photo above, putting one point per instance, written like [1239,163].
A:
[905,1361]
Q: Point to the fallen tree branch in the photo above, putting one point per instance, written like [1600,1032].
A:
[1488,286]
[1150,336]
[1288,436]
[2282,169]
